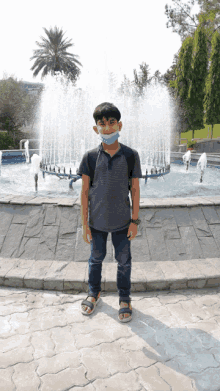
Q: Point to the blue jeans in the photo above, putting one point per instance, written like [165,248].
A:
[122,255]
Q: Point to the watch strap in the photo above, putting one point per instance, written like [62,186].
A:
[137,222]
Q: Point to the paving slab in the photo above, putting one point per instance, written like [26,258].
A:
[214,199]
[171,343]
[19,200]
[63,275]
[6,198]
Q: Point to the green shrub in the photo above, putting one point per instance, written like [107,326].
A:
[191,144]
[5,141]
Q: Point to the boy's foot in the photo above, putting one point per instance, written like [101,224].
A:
[87,309]
[125,305]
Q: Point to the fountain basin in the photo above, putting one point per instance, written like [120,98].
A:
[16,178]
[13,157]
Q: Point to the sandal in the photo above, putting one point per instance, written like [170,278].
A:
[127,310]
[90,304]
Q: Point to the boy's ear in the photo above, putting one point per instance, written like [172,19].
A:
[95,129]
[120,125]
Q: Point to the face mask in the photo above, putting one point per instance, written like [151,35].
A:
[108,138]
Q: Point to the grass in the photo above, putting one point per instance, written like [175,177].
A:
[202,133]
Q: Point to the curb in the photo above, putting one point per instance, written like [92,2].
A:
[145,276]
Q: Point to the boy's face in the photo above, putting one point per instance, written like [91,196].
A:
[107,127]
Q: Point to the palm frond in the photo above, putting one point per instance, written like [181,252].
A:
[53,55]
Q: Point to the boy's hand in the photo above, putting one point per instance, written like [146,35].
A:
[87,236]
[132,231]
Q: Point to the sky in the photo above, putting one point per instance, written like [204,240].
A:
[116,35]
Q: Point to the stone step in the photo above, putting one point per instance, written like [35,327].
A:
[145,276]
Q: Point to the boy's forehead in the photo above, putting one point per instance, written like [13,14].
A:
[106,118]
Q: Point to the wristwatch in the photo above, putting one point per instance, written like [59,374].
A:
[137,222]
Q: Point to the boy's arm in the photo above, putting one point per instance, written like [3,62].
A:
[85,199]
[135,195]
[84,208]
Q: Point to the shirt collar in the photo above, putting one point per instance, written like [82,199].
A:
[102,149]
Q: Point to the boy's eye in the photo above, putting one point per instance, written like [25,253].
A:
[111,122]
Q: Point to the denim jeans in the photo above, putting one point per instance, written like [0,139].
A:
[123,258]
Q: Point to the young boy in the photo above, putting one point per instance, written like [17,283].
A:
[109,209]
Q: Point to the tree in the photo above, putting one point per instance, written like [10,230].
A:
[182,69]
[209,19]
[169,76]
[142,79]
[157,77]
[179,84]
[183,79]
[199,72]
[179,120]
[184,24]
[180,19]
[31,104]
[5,141]
[16,105]
[11,98]
[213,6]
[125,87]
[53,56]
[112,81]
[212,96]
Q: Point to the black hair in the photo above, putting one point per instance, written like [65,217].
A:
[106,110]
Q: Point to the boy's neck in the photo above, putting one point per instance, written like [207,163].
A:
[111,147]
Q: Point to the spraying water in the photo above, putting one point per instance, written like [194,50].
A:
[27,156]
[35,167]
[66,122]
[187,159]
[202,162]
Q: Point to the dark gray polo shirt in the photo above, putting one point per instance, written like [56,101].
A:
[109,203]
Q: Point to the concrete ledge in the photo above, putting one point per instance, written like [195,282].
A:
[71,276]
[144,202]
[32,200]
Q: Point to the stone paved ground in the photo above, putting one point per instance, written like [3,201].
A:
[171,344]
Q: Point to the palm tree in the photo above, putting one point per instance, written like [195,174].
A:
[53,56]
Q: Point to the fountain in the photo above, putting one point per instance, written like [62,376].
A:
[35,167]
[65,127]
[202,163]
[186,159]
[26,145]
